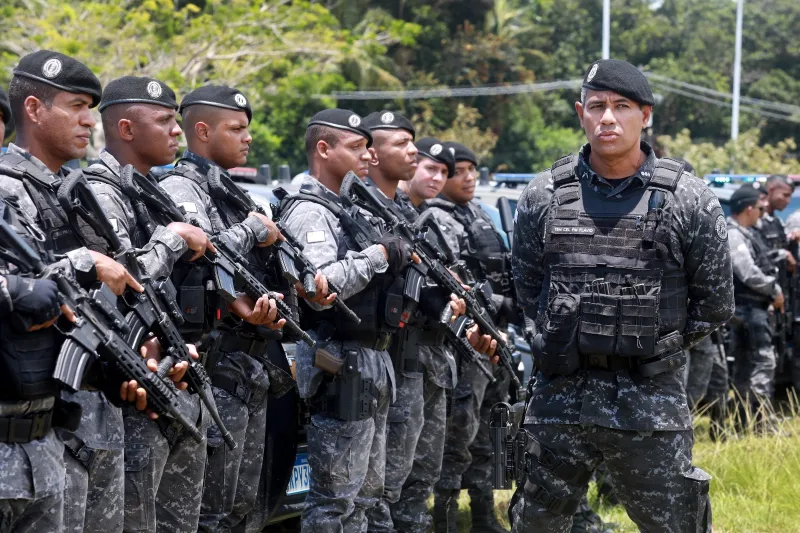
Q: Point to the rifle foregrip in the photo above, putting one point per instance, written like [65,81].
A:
[309,285]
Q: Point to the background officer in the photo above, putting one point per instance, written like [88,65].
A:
[598,252]
[6,120]
[756,287]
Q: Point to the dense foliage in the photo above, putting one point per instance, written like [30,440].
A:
[285,53]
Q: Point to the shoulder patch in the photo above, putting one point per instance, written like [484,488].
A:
[189,207]
[315,236]
[721,228]
[712,205]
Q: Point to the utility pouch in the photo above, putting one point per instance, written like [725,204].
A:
[638,329]
[697,517]
[598,329]
[393,303]
[192,298]
[404,350]
[555,349]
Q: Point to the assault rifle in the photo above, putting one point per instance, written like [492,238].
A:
[152,311]
[354,192]
[295,265]
[100,331]
[230,268]
[455,334]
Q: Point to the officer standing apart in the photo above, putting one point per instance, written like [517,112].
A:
[623,265]
[756,288]
[346,441]
[468,449]
[215,119]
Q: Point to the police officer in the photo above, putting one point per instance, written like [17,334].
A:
[215,119]
[6,120]
[346,440]
[138,117]
[413,349]
[623,265]
[468,452]
[756,288]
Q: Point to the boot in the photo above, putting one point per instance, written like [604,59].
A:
[445,510]
[484,519]
[585,520]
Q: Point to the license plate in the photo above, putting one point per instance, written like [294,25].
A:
[301,472]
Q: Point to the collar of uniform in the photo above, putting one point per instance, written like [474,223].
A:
[615,187]
[110,162]
[14,149]
[372,184]
[401,196]
[203,165]
[310,181]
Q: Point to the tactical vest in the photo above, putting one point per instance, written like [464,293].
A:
[101,174]
[773,233]
[27,359]
[42,188]
[614,279]
[742,294]
[483,250]
[380,304]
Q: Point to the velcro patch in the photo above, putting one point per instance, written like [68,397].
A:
[315,236]
[573,230]
[189,207]
[114,224]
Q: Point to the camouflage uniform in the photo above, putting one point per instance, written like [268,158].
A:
[702,361]
[590,415]
[751,340]
[231,477]
[347,458]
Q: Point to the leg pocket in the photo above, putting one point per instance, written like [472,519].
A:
[697,518]
[139,489]
[330,445]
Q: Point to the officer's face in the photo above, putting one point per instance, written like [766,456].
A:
[156,133]
[349,154]
[461,187]
[395,154]
[613,123]
[779,196]
[65,127]
[229,140]
[429,179]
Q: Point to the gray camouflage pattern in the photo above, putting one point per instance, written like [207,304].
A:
[453,230]
[440,365]
[410,512]
[751,348]
[637,462]
[94,500]
[621,400]
[163,484]
[403,427]
[199,207]
[743,262]
[700,365]
[231,476]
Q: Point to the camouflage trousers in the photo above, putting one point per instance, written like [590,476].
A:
[164,478]
[751,346]
[467,461]
[652,472]
[232,476]
[410,512]
[94,499]
[403,427]
[704,359]
[347,460]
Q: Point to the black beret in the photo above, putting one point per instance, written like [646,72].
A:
[388,120]
[218,96]
[620,77]
[744,197]
[5,108]
[61,72]
[461,152]
[434,149]
[135,90]
[341,119]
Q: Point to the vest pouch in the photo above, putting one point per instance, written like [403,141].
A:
[636,336]
[555,349]
[598,331]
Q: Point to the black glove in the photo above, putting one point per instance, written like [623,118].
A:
[399,253]
[37,298]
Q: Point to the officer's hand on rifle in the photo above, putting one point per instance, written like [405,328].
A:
[130,392]
[458,305]
[151,351]
[791,263]
[274,232]
[777,303]
[196,239]
[263,312]
[397,253]
[38,299]
[483,343]
[114,274]
[321,284]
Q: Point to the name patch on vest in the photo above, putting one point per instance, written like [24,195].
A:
[573,230]
[315,236]
[189,207]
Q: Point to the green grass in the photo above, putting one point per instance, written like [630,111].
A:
[755,486]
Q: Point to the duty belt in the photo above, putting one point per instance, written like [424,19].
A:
[22,429]
[670,356]
[379,341]
[250,345]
